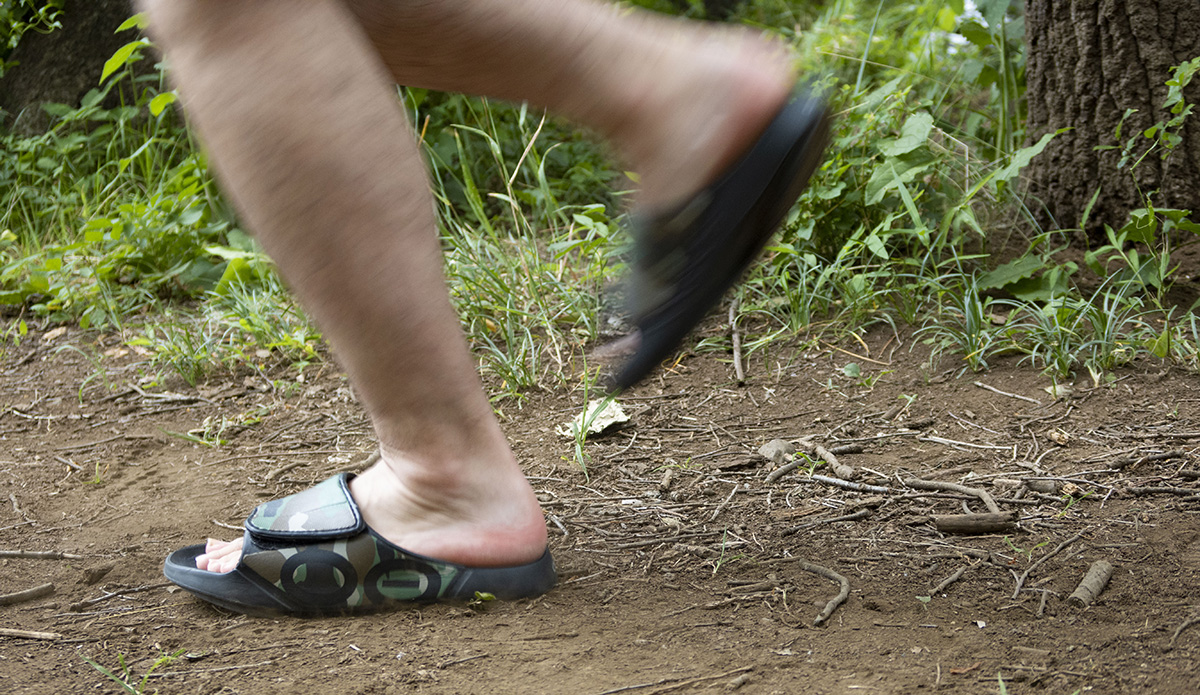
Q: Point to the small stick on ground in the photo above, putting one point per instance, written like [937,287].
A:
[737,341]
[860,514]
[1185,625]
[945,584]
[676,686]
[983,495]
[1093,583]
[1061,546]
[38,555]
[28,634]
[836,601]
[850,485]
[839,469]
[27,595]
[721,506]
[77,607]
[1005,393]
[974,523]
[271,475]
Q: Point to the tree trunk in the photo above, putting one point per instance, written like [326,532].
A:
[62,66]
[1089,61]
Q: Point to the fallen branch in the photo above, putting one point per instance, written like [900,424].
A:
[850,485]
[172,674]
[1130,462]
[945,584]
[77,607]
[1093,583]
[969,445]
[675,686]
[983,495]
[38,555]
[1061,546]
[860,514]
[26,595]
[737,341]
[839,469]
[974,523]
[1161,491]
[1185,625]
[836,601]
[28,634]
[1005,393]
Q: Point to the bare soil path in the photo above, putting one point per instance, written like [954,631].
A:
[681,563]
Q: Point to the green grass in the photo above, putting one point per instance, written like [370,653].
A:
[111,219]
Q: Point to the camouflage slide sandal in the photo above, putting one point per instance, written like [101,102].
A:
[311,554]
[685,259]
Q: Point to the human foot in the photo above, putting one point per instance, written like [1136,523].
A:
[494,524]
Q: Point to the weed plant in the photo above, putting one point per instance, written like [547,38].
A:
[111,217]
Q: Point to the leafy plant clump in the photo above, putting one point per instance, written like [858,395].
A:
[111,216]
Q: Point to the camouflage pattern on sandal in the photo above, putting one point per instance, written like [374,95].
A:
[332,561]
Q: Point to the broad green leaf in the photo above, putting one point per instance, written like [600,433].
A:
[895,171]
[138,20]
[994,12]
[974,32]
[876,245]
[121,56]
[947,19]
[1050,284]
[237,272]
[914,134]
[1025,155]
[1142,226]
[159,103]
[1160,347]
[1011,272]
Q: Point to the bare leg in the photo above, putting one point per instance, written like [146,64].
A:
[308,140]
[292,101]
[679,99]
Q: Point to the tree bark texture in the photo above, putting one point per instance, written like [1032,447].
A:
[1088,61]
[62,66]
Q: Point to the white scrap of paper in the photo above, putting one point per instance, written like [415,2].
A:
[599,415]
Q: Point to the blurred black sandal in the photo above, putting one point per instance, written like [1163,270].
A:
[686,258]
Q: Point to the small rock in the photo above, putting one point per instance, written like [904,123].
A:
[776,450]
[91,575]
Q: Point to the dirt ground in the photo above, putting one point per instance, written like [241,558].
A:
[683,566]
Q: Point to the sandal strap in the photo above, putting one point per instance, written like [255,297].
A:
[323,512]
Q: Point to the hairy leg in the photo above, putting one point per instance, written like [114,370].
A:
[308,140]
[291,100]
[680,100]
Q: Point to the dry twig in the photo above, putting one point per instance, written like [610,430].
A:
[1061,546]
[1005,393]
[1093,583]
[983,495]
[974,523]
[27,595]
[38,555]
[737,341]
[945,583]
[836,601]
[28,634]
